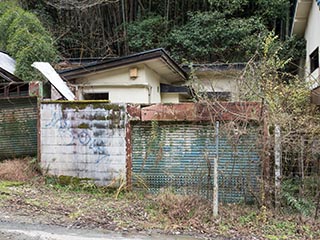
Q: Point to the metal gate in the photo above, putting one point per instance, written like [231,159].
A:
[18,127]
[182,155]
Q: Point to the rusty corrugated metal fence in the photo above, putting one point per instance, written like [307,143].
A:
[181,155]
[18,127]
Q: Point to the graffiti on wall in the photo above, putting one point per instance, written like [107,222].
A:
[89,128]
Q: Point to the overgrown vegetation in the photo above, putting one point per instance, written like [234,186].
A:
[285,101]
[198,31]
[25,39]
[69,202]
[288,106]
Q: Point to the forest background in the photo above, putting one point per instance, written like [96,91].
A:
[198,31]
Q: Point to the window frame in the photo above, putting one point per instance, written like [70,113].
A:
[314,60]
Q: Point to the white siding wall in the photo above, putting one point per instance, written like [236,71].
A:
[170,98]
[219,82]
[83,140]
[121,94]
[154,82]
[312,36]
[118,76]
[121,88]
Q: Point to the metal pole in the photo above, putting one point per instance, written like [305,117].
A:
[215,174]
[277,163]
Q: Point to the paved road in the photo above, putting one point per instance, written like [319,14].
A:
[25,231]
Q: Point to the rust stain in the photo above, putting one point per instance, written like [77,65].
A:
[169,112]
[225,111]
[134,112]
[129,156]
[35,89]
[228,111]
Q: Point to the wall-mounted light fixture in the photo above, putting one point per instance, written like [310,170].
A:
[133,72]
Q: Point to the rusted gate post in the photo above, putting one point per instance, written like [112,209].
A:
[215,175]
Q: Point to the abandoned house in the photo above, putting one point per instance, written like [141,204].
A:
[216,81]
[146,77]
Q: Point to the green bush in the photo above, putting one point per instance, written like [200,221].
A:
[147,34]
[25,39]
[212,36]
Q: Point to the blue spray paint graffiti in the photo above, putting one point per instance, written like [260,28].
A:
[57,121]
[71,136]
[97,146]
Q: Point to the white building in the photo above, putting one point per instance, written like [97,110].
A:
[217,81]
[306,24]
[146,77]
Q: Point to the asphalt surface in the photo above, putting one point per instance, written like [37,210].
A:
[26,231]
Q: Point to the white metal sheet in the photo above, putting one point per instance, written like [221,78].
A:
[47,70]
[7,63]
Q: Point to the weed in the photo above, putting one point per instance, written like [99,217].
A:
[282,229]
[69,183]
[248,219]
[179,208]
[292,199]
[223,228]
[273,237]
[34,166]
[76,214]
[6,184]
[140,182]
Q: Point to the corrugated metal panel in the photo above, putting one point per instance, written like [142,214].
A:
[181,155]
[239,166]
[18,127]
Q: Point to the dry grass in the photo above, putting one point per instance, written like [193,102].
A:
[184,210]
[18,169]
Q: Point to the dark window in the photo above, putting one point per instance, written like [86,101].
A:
[314,60]
[96,96]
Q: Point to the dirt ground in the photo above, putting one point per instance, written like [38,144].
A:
[41,207]
[38,201]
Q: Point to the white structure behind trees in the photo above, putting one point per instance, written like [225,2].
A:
[306,24]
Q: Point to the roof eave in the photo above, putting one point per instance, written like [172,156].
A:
[301,15]
[9,77]
[71,74]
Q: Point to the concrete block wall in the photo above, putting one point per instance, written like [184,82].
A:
[83,139]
